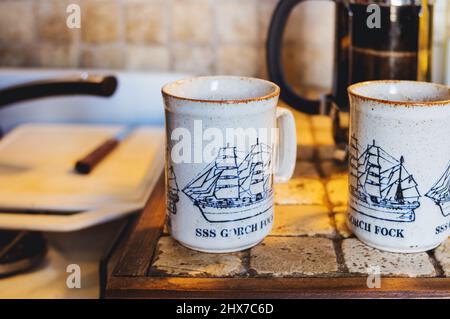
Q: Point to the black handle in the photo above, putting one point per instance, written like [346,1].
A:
[274,61]
[83,84]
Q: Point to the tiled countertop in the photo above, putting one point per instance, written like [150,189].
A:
[309,237]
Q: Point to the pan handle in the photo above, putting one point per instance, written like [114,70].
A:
[82,84]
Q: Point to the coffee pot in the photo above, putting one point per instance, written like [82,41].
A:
[374,40]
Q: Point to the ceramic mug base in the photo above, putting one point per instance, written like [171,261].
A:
[221,251]
[395,250]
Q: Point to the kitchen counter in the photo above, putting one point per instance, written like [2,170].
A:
[310,251]
[310,247]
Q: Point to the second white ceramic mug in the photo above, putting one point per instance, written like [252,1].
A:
[399,164]
[221,158]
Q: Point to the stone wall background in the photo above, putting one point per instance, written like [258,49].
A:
[196,36]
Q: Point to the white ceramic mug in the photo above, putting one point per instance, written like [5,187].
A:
[399,164]
[221,157]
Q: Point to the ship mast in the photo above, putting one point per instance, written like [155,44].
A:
[173,185]
[354,164]
[227,185]
[399,193]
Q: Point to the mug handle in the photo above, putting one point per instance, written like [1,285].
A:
[274,63]
[287,151]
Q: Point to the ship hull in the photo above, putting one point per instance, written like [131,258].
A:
[395,214]
[237,213]
[445,208]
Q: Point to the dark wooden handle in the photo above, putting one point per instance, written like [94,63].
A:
[87,164]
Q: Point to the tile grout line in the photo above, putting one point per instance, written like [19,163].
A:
[246,256]
[436,264]
[337,238]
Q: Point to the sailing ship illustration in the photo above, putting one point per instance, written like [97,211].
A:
[172,191]
[380,185]
[440,192]
[235,186]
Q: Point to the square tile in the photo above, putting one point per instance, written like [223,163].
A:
[333,169]
[146,22]
[19,55]
[337,189]
[304,134]
[305,152]
[237,60]
[176,260]
[57,56]
[297,220]
[325,152]
[237,22]
[306,169]
[323,137]
[16,22]
[99,21]
[51,19]
[321,122]
[103,57]
[265,13]
[154,57]
[300,191]
[293,256]
[340,219]
[198,60]
[442,254]
[305,139]
[192,21]
[359,258]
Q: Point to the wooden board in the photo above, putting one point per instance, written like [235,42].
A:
[128,276]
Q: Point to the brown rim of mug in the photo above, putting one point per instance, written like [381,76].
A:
[276,92]
[351,91]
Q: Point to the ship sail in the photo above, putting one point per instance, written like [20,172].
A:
[172,183]
[172,196]
[227,158]
[233,179]
[398,188]
[440,192]
[386,178]
[354,161]
[203,185]
[259,162]
[382,185]
[372,172]
[227,185]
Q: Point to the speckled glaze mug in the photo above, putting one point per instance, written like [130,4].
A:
[399,164]
[223,152]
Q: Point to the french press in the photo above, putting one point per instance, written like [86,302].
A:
[374,40]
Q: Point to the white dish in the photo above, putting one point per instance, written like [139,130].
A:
[36,171]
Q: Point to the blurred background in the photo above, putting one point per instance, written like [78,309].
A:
[193,36]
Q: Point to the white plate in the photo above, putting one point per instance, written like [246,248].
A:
[36,173]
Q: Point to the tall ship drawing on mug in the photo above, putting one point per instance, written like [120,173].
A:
[381,185]
[172,191]
[440,192]
[235,186]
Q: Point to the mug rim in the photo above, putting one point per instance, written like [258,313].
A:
[276,89]
[351,91]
